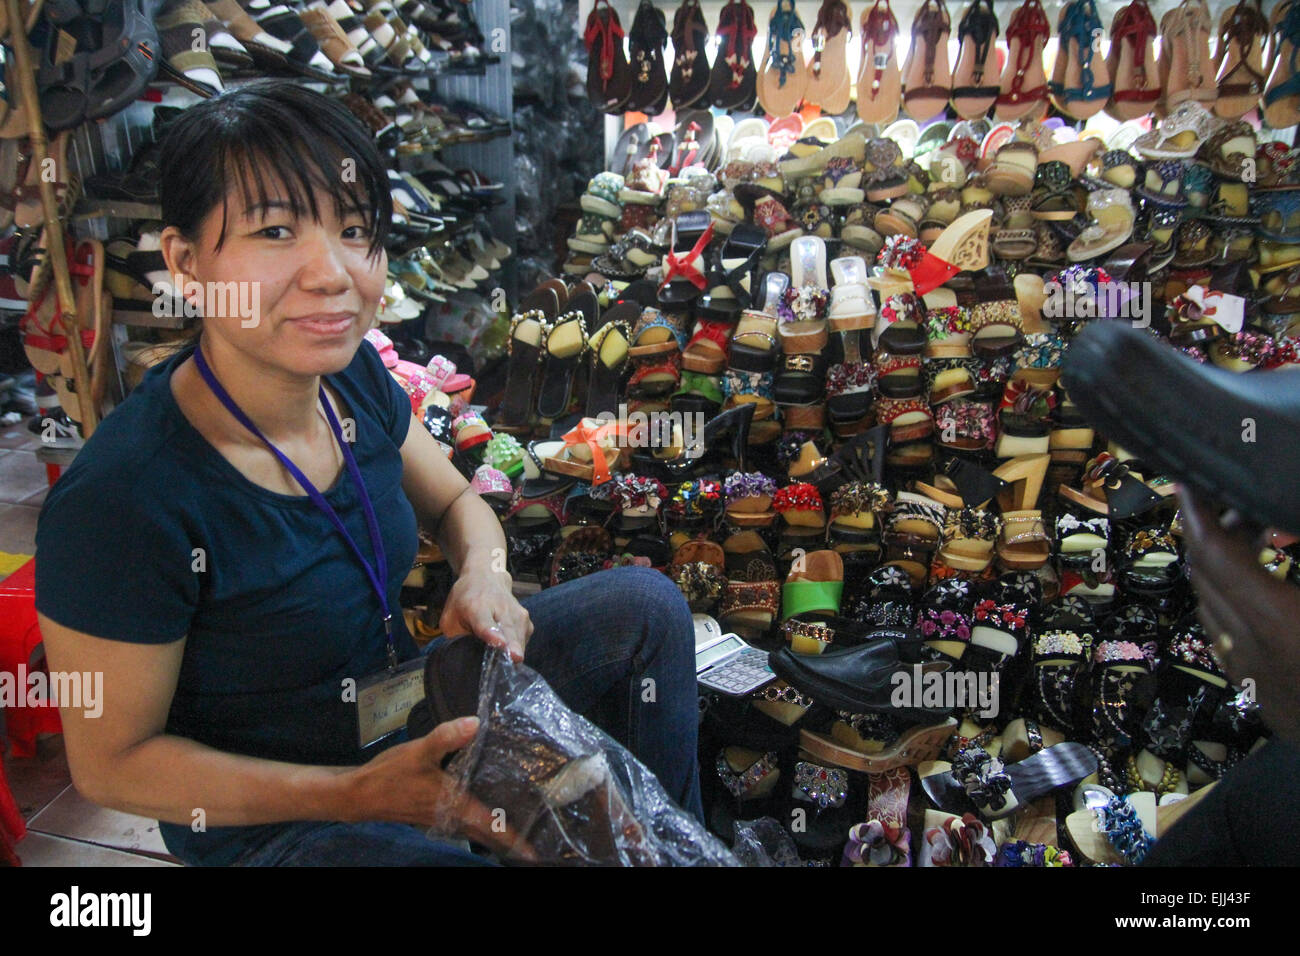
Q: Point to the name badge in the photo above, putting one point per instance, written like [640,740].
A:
[880,61]
[385,699]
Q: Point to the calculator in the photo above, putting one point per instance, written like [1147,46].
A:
[729,665]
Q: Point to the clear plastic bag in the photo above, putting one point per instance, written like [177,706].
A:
[570,791]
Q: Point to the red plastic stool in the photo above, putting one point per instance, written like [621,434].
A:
[19,637]
[12,828]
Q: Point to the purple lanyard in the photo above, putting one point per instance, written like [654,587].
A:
[378,572]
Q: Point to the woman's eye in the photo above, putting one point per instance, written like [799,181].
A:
[274,232]
[356,232]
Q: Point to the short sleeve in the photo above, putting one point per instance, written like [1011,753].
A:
[114,562]
[393,404]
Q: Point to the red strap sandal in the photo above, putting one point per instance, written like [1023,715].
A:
[707,350]
[1028,25]
[1136,24]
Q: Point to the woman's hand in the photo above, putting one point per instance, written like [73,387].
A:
[481,603]
[1250,615]
[406,784]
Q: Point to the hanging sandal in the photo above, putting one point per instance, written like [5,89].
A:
[105,80]
[733,80]
[1086,86]
[1281,103]
[1132,62]
[689,79]
[783,78]
[1024,85]
[879,80]
[927,78]
[828,76]
[1187,69]
[609,78]
[977,62]
[1242,33]
[646,42]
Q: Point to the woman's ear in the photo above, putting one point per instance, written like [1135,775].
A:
[179,254]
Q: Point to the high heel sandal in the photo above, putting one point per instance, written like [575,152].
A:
[734,424]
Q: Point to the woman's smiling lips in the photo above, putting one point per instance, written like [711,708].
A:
[326,323]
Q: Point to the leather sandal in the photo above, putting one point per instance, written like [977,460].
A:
[972,90]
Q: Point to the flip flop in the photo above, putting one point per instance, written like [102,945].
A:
[783,78]
[609,78]
[927,78]
[688,81]
[879,80]
[974,81]
[733,80]
[828,76]
[646,41]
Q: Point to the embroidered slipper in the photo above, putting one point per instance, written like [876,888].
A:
[829,83]
[1132,62]
[655,335]
[975,84]
[733,81]
[609,78]
[783,77]
[1243,30]
[563,344]
[646,41]
[880,83]
[689,79]
[1113,219]
[609,358]
[1023,85]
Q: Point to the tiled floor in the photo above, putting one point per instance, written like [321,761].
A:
[64,829]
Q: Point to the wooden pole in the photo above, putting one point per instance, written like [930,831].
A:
[54,248]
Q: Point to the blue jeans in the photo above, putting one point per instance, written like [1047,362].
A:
[596,641]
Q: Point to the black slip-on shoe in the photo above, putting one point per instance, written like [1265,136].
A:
[1228,435]
[857,679]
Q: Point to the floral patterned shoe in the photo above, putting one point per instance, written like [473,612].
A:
[883,840]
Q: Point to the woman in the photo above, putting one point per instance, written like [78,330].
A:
[184,556]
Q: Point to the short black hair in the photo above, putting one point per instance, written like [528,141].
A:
[278,126]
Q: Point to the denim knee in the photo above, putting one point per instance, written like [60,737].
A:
[649,597]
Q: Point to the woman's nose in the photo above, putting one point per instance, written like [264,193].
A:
[325,264]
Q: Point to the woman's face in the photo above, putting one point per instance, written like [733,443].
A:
[299,294]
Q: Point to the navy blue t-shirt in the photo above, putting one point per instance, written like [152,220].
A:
[277,608]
